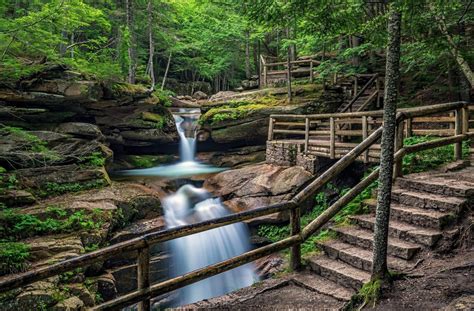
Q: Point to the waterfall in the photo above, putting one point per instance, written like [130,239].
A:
[191,205]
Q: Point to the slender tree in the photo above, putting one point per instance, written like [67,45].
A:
[392,79]
[132,54]
[151,44]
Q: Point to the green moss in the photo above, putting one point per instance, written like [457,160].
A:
[146,161]
[163,97]
[13,257]
[370,292]
[94,159]
[122,88]
[157,119]
[234,110]
[16,225]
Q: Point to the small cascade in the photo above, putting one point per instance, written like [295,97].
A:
[192,205]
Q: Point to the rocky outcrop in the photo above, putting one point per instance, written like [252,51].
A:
[241,119]
[256,186]
[63,101]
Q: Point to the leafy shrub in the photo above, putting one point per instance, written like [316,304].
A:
[14,224]
[164,97]
[431,158]
[95,159]
[13,257]
[53,189]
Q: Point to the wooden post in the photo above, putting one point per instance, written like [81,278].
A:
[397,169]
[377,86]
[332,138]
[306,135]
[311,71]
[265,69]
[409,126]
[365,133]
[295,253]
[288,62]
[458,130]
[143,276]
[355,86]
[270,129]
[465,120]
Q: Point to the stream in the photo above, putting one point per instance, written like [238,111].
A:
[189,205]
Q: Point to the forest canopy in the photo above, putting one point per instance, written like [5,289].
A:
[220,41]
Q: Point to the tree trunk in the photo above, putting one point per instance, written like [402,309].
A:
[247,55]
[151,68]
[392,74]
[288,61]
[355,43]
[132,67]
[462,63]
[166,72]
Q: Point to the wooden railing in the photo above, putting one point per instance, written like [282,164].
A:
[266,68]
[374,81]
[318,134]
[145,291]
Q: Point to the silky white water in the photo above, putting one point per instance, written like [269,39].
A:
[187,166]
[191,205]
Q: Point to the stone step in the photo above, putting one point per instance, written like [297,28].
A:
[437,185]
[338,271]
[417,216]
[429,200]
[365,239]
[359,258]
[401,230]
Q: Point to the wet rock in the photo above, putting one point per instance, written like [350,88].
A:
[256,186]
[80,291]
[70,304]
[50,249]
[17,198]
[200,95]
[35,296]
[249,84]
[104,285]
[85,130]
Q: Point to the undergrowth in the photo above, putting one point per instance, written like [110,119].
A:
[431,158]
[13,257]
[14,225]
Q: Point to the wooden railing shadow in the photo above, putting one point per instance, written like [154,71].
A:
[142,244]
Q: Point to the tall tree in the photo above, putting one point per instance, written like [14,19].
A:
[392,80]
[151,44]
[132,54]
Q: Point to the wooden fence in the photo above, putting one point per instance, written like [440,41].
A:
[141,245]
[328,135]
[304,67]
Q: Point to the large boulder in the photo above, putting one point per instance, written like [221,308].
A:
[256,186]
[242,119]
[200,95]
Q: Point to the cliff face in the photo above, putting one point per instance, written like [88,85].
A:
[59,132]
[129,117]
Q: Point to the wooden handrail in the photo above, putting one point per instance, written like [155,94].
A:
[358,95]
[146,291]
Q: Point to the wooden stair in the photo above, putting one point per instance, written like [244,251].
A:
[423,206]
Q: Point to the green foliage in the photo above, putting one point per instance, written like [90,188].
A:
[54,189]
[164,97]
[13,257]
[431,158]
[95,159]
[370,292]
[14,224]
[157,119]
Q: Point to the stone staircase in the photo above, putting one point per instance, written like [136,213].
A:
[425,206]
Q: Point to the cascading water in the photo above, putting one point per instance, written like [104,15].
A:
[188,166]
[191,205]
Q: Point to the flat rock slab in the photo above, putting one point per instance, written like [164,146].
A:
[301,291]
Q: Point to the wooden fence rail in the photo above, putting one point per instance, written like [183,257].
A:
[145,291]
